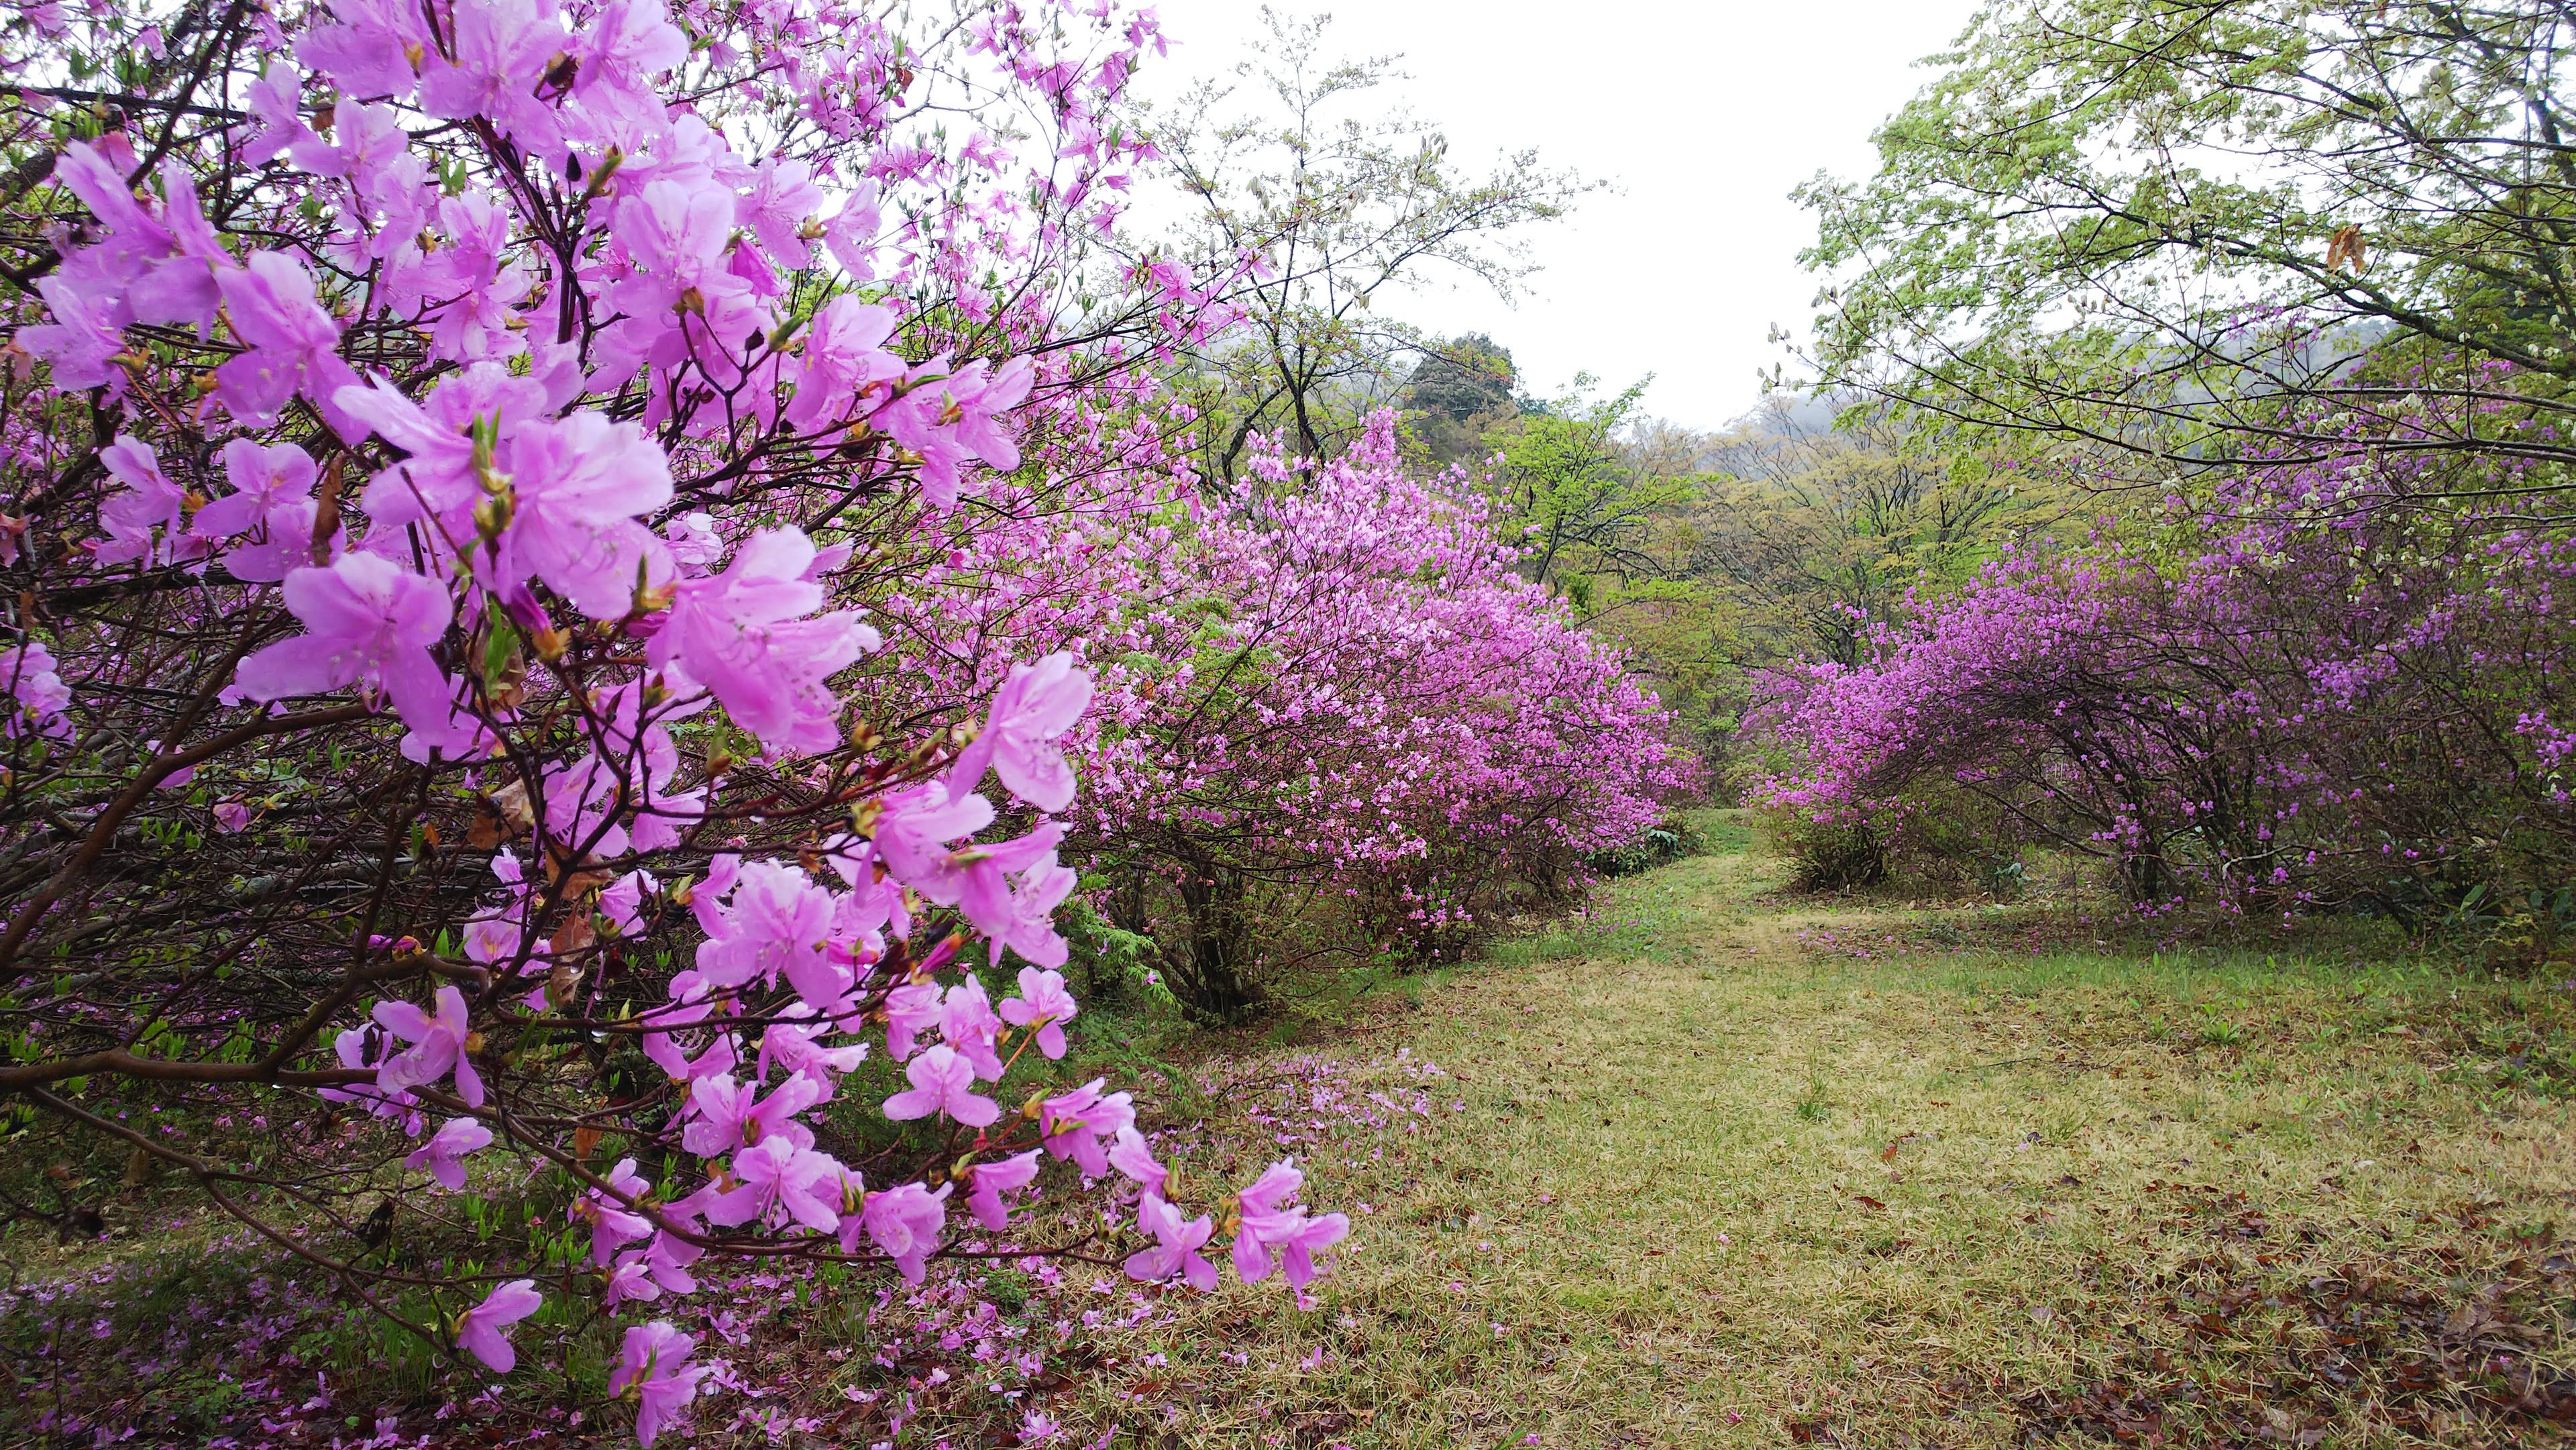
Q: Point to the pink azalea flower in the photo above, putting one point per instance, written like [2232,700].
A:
[845,353]
[798,1047]
[1132,1156]
[1274,1228]
[272,502]
[910,1010]
[293,343]
[731,1115]
[992,1180]
[668,1257]
[576,489]
[624,44]
[503,49]
[780,1178]
[1277,1186]
[905,1223]
[912,838]
[437,479]
[148,502]
[623,900]
[27,672]
[484,1331]
[776,920]
[370,622]
[1031,930]
[851,235]
[743,634]
[967,1023]
[369,47]
[1036,1428]
[83,339]
[613,1223]
[443,1156]
[1036,704]
[1072,1124]
[1176,1250]
[276,101]
[438,1046]
[352,1048]
[783,195]
[942,1082]
[630,1281]
[1043,1004]
[663,1045]
[654,1362]
[1296,1261]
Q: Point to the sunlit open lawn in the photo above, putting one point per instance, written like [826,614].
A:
[1735,1167]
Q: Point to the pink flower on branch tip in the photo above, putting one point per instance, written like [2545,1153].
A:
[992,1180]
[942,1082]
[443,1156]
[968,1024]
[576,488]
[904,1222]
[745,635]
[726,1114]
[1275,1231]
[1176,1248]
[1036,705]
[1074,1124]
[783,1182]
[484,1330]
[1133,1157]
[149,501]
[29,674]
[438,1046]
[369,622]
[614,1220]
[271,503]
[1043,1004]
[293,344]
[654,1363]
[914,839]
[911,1009]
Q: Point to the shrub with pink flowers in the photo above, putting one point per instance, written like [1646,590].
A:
[457,791]
[1331,721]
[1357,714]
[2328,682]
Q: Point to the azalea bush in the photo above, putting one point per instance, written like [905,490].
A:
[2304,683]
[1332,721]
[1341,706]
[456,455]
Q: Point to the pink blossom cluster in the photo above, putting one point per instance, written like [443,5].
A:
[487,427]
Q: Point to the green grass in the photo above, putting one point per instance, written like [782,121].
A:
[1718,1185]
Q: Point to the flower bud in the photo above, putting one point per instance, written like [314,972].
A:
[599,177]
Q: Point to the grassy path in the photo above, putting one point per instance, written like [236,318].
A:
[1737,1170]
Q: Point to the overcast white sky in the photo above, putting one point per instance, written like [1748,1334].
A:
[1704,112]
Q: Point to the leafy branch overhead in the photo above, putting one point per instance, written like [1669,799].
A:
[2138,227]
